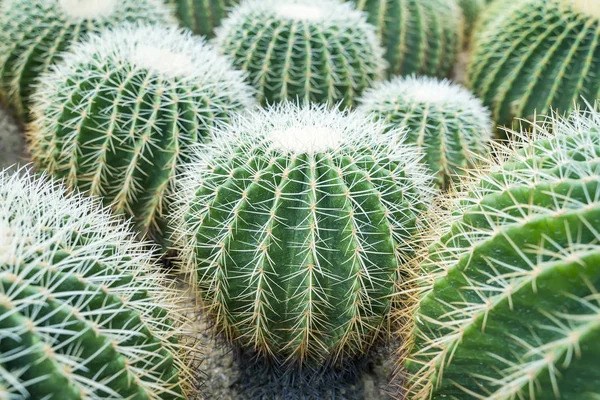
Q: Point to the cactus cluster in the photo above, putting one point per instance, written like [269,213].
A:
[537,55]
[420,37]
[510,306]
[444,119]
[295,225]
[83,313]
[35,33]
[321,51]
[117,118]
[202,16]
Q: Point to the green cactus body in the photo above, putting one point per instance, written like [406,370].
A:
[531,56]
[34,34]
[202,16]
[118,116]
[510,307]
[82,312]
[445,120]
[318,51]
[420,37]
[295,225]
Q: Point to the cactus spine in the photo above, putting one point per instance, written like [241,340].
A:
[309,50]
[510,306]
[118,116]
[82,310]
[536,55]
[295,226]
[420,37]
[35,33]
[202,16]
[445,120]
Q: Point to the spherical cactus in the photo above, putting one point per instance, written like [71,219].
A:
[295,225]
[510,308]
[119,115]
[202,16]
[445,120]
[535,55]
[35,33]
[83,313]
[308,50]
[420,37]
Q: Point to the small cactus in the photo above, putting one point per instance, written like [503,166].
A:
[445,120]
[509,307]
[295,225]
[35,33]
[533,55]
[320,51]
[202,16]
[420,37]
[118,116]
[83,313]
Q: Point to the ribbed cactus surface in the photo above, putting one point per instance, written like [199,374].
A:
[82,312]
[510,306]
[202,16]
[320,51]
[118,116]
[535,55]
[34,34]
[420,37]
[445,120]
[295,226]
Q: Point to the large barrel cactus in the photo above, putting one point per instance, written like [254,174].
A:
[510,306]
[83,313]
[202,16]
[420,37]
[35,33]
[445,120]
[295,226]
[534,55]
[321,51]
[118,116]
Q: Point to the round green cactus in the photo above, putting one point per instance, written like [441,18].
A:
[445,120]
[535,55]
[295,225]
[202,16]
[420,37]
[320,51]
[509,308]
[118,117]
[83,313]
[35,33]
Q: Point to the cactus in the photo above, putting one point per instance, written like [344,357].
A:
[202,16]
[118,117]
[471,10]
[509,306]
[535,55]
[445,120]
[295,225]
[35,33]
[83,313]
[320,51]
[420,37]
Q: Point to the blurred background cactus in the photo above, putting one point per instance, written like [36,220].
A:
[202,16]
[34,34]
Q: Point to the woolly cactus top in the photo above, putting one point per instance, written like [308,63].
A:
[88,9]
[588,7]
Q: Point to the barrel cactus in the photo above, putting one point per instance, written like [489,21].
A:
[321,51]
[202,16]
[420,37]
[535,55]
[444,119]
[119,115]
[509,309]
[295,225]
[83,313]
[35,33]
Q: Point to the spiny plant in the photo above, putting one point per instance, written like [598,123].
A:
[537,54]
[509,306]
[320,51]
[295,225]
[445,120]
[83,312]
[118,116]
[35,33]
[420,37]
[202,16]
